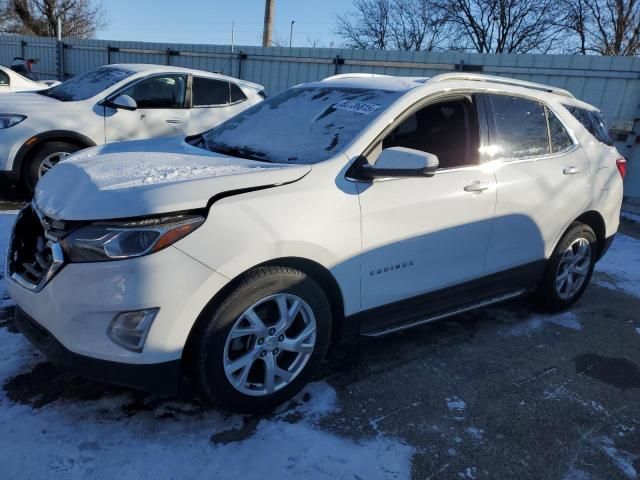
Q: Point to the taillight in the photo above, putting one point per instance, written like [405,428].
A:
[621,163]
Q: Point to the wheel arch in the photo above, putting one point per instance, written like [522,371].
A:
[596,221]
[40,139]
[318,272]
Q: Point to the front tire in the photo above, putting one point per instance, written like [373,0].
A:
[264,341]
[569,269]
[44,159]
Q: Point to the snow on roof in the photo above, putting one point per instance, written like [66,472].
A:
[371,82]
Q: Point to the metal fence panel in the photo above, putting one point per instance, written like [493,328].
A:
[611,83]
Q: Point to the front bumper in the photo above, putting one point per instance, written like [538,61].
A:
[160,378]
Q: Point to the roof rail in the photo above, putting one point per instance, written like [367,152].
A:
[502,80]
[354,75]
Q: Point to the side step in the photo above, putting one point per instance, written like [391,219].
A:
[446,314]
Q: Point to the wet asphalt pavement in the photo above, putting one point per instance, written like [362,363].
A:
[502,393]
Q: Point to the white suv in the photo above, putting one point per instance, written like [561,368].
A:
[110,104]
[357,205]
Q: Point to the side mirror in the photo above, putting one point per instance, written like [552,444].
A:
[124,102]
[401,162]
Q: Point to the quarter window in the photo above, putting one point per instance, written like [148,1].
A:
[593,122]
[4,79]
[447,129]
[560,139]
[520,127]
[236,93]
[162,91]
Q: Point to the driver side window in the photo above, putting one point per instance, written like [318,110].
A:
[447,129]
[162,91]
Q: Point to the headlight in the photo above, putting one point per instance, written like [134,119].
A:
[100,242]
[9,120]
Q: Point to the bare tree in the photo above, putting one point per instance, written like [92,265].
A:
[616,26]
[367,26]
[80,18]
[502,26]
[574,20]
[416,25]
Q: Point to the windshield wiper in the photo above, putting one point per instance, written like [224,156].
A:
[47,93]
[236,152]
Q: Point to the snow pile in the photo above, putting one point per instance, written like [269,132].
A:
[632,217]
[621,264]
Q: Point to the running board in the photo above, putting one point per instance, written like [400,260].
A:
[447,314]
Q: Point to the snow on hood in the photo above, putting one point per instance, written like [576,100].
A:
[132,179]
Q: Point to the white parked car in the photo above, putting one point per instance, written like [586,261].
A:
[351,206]
[11,81]
[110,104]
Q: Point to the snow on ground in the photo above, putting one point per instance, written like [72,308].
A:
[98,438]
[621,265]
[6,222]
[535,323]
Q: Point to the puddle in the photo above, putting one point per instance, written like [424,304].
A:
[618,372]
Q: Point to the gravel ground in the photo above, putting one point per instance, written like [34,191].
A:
[501,393]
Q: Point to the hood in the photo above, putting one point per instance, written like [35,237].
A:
[25,102]
[133,179]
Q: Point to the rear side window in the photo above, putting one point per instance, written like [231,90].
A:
[209,92]
[560,139]
[520,127]
[593,122]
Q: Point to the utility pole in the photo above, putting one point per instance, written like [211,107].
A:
[269,10]
[291,33]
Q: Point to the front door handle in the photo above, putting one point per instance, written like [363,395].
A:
[174,120]
[477,187]
[571,171]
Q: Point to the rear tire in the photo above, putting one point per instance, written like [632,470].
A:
[276,320]
[43,159]
[569,269]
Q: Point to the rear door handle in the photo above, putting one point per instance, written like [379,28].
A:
[174,120]
[477,187]
[571,171]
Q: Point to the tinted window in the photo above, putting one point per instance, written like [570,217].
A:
[236,93]
[87,85]
[4,78]
[208,92]
[300,125]
[560,139]
[520,127]
[593,122]
[162,91]
[448,130]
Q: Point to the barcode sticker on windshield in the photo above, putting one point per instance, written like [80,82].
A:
[358,107]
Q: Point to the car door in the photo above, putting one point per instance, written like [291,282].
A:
[422,234]
[542,176]
[212,102]
[161,109]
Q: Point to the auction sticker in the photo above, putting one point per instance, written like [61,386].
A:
[358,107]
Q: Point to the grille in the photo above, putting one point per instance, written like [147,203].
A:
[35,255]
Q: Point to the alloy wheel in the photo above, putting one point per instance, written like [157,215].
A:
[50,161]
[269,344]
[573,268]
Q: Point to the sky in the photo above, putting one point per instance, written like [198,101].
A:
[209,21]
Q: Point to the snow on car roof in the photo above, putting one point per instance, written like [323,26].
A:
[151,68]
[371,82]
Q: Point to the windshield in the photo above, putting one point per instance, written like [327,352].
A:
[87,85]
[300,125]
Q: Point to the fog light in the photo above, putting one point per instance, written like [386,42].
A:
[130,329]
